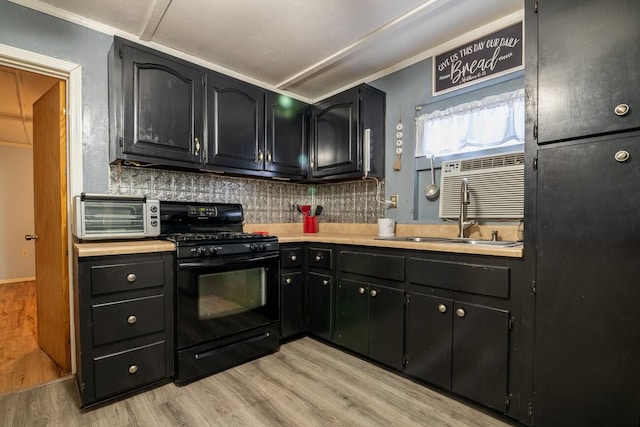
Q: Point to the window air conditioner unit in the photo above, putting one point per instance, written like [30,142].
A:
[496,187]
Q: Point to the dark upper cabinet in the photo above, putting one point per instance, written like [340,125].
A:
[285,151]
[345,128]
[156,106]
[235,121]
[586,312]
[587,67]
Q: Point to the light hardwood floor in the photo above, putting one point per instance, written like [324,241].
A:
[306,383]
[22,363]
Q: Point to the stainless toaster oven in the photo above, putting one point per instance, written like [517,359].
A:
[106,217]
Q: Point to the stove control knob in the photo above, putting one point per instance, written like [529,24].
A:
[213,250]
[253,247]
[201,250]
[263,247]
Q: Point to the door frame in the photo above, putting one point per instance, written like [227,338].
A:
[72,74]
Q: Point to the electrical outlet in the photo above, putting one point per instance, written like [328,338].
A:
[25,252]
[394,201]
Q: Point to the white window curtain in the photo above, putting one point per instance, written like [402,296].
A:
[493,121]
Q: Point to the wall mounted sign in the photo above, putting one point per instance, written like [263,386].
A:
[482,59]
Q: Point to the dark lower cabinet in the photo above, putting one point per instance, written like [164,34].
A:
[460,347]
[587,326]
[369,321]
[124,323]
[319,307]
[291,304]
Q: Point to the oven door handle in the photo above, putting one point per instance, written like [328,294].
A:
[217,262]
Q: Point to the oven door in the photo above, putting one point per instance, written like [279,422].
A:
[221,296]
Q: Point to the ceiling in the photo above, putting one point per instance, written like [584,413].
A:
[19,89]
[308,49]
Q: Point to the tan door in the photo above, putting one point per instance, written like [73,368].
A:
[50,204]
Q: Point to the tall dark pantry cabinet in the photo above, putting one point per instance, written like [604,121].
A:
[583,210]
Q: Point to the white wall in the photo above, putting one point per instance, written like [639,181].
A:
[16,213]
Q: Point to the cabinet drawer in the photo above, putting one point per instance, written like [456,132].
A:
[290,258]
[129,369]
[123,277]
[374,265]
[127,319]
[319,258]
[471,278]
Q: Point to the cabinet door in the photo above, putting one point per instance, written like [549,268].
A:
[587,351]
[352,316]
[291,308]
[319,305]
[335,136]
[588,64]
[386,325]
[480,354]
[162,112]
[429,329]
[235,121]
[286,143]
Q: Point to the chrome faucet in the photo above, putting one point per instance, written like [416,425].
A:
[463,223]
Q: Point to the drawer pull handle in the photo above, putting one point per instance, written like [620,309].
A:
[460,313]
[622,156]
[132,319]
[288,280]
[325,282]
[621,110]
[133,369]
[374,293]
[131,277]
[361,290]
[442,308]
[293,258]
[318,258]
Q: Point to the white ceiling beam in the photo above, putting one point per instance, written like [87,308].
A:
[156,13]
[367,39]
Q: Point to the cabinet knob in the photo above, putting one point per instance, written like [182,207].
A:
[361,290]
[325,282]
[197,144]
[318,258]
[621,110]
[288,280]
[460,312]
[268,157]
[131,277]
[442,308]
[133,369]
[132,319]
[622,156]
[373,293]
[260,156]
[293,258]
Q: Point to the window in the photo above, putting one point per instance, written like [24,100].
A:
[493,121]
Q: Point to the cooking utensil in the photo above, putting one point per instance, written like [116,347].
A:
[319,210]
[431,191]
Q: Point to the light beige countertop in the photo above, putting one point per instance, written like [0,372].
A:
[365,235]
[337,233]
[122,248]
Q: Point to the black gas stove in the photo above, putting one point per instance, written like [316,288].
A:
[210,229]
[227,288]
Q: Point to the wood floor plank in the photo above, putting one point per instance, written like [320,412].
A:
[22,363]
[306,383]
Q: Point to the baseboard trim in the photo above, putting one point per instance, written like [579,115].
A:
[16,280]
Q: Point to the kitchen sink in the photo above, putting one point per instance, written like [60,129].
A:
[500,243]
[455,240]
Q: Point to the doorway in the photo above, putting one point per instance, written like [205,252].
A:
[22,361]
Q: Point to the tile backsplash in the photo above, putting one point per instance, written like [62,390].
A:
[264,201]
